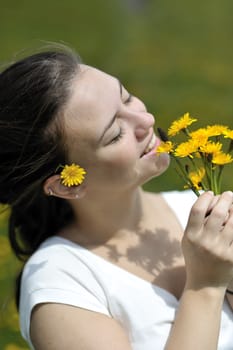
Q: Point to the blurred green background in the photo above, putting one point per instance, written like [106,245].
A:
[176,56]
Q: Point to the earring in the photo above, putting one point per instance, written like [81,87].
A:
[50,192]
[76,195]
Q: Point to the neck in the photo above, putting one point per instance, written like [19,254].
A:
[97,221]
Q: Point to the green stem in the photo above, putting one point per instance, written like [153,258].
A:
[183,175]
[230,149]
[214,185]
[219,177]
[207,168]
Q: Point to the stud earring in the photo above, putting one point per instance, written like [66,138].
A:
[50,192]
[76,195]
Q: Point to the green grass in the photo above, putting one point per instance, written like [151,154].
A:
[177,56]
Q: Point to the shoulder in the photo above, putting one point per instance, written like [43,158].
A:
[180,202]
[60,264]
[59,273]
[52,257]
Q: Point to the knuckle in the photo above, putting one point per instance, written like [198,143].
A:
[219,213]
[230,225]
[194,239]
[195,211]
[205,246]
[188,240]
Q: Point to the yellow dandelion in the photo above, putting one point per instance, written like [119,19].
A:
[165,147]
[222,158]
[180,124]
[72,175]
[211,147]
[228,134]
[196,178]
[199,136]
[185,149]
[216,130]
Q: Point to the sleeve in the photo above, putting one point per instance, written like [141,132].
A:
[62,279]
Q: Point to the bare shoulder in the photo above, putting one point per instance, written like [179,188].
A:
[60,326]
[174,204]
[156,202]
[153,198]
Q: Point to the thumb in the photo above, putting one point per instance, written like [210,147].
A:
[200,210]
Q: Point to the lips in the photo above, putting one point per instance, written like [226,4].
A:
[151,145]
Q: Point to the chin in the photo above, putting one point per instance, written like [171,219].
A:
[162,163]
[154,168]
[160,168]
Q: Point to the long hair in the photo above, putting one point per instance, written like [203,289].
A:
[33,93]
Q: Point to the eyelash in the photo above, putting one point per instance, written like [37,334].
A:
[118,137]
[129,99]
[121,133]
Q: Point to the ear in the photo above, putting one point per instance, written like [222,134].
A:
[54,187]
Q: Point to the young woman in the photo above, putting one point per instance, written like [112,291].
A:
[110,266]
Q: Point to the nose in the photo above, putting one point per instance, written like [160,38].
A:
[140,119]
[143,123]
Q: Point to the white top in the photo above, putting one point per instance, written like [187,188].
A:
[64,272]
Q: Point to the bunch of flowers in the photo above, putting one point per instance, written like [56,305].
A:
[201,156]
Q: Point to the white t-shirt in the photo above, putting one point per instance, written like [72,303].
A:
[64,272]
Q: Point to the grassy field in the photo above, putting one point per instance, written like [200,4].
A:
[177,56]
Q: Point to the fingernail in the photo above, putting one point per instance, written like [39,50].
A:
[210,192]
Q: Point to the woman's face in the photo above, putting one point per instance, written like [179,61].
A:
[110,133]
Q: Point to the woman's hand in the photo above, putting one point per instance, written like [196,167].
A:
[208,242]
[208,251]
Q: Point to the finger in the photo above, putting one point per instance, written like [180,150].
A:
[227,231]
[212,204]
[220,212]
[200,210]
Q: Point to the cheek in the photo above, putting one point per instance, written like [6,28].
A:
[123,158]
[116,166]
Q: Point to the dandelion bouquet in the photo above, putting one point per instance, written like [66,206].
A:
[201,156]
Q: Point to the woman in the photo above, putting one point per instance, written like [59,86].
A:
[109,266]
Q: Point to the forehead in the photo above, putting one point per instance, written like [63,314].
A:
[90,91]
[93,101]
[90,83]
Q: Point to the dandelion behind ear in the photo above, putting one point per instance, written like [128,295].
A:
[72,175]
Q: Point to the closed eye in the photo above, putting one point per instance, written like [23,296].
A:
[118,137]
[129,99]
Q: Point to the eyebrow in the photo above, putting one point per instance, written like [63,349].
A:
[108,126]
